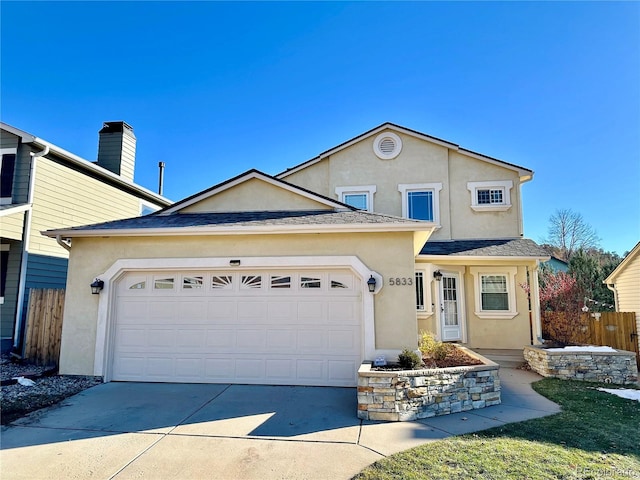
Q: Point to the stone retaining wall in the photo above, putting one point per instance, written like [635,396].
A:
[413,394]
[617,367]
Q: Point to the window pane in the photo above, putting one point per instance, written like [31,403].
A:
[278,281]
[251,281]
[494,284]
[192,282]
[6,174]
[420,205]
[484,197]
[163,284]
[494,292]
[495,301]
[222,282]
[357,200]
[138,286]
[419,291]
[309,282]
[496,196]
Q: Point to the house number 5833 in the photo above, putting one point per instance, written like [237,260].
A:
[400,281]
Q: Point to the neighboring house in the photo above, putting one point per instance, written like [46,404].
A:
[624,282]
[297,278]
[44,186]
[557,265]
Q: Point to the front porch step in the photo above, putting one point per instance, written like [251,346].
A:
[503,357]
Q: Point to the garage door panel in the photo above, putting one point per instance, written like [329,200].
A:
[131,337]
[220,369]
[160,309]
[281,339]
[311,340]
[221,338]
[222,309]
[341,370]
[189,368]
[310,371]
[279,369]
[191,338]
[160,337]
[248,327]
[193,312]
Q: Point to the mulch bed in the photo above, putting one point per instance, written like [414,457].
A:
[455,358]
[18,400]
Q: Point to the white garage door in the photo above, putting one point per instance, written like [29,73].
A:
[260,327]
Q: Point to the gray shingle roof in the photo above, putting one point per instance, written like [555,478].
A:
[520,247]
[248,219]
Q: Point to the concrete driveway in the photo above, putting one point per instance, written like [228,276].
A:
[182,431]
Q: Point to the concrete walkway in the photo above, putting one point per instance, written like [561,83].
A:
[158,431]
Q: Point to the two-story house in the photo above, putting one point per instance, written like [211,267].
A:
[297,278]
[44,186]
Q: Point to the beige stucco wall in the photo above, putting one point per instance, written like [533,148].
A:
[65,198]
[390,254]
[253,195]
[511,333]
[419,162]
[469,223]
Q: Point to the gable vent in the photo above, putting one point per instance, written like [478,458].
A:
[387,146]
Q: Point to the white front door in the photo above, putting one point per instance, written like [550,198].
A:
[450,315]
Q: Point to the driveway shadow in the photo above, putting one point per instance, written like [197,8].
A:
[190,409]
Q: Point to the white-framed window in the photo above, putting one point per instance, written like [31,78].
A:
[421,201]
[492,196]
[147,208]
[420,297]
[360,196]
[495,291]
[7,168]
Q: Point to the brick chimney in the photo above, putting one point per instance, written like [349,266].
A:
[117,149]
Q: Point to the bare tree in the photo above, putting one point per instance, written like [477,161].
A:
[568,232]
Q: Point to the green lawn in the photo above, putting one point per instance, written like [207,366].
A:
[597,435]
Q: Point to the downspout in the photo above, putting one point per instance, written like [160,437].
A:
[612,287]
[26,236]
[62,243]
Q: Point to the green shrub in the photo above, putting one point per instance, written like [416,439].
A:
[409,360]
[432,348]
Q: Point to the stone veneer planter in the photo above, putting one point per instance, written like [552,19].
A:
[413,394]
[617,367]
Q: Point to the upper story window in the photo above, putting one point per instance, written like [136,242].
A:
[493,196]
[421,201]
[7,168]
[360,197]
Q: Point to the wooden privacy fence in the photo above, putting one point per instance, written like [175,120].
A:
[614,329]
[44,326]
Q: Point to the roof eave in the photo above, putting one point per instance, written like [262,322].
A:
[84,164]
[612,276]
[475,258]
[242,230]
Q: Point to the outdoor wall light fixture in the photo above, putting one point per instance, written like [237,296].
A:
[437,275]
[97,286]
[234,263]
[371,283]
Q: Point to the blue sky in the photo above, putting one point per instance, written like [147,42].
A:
[214,89]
